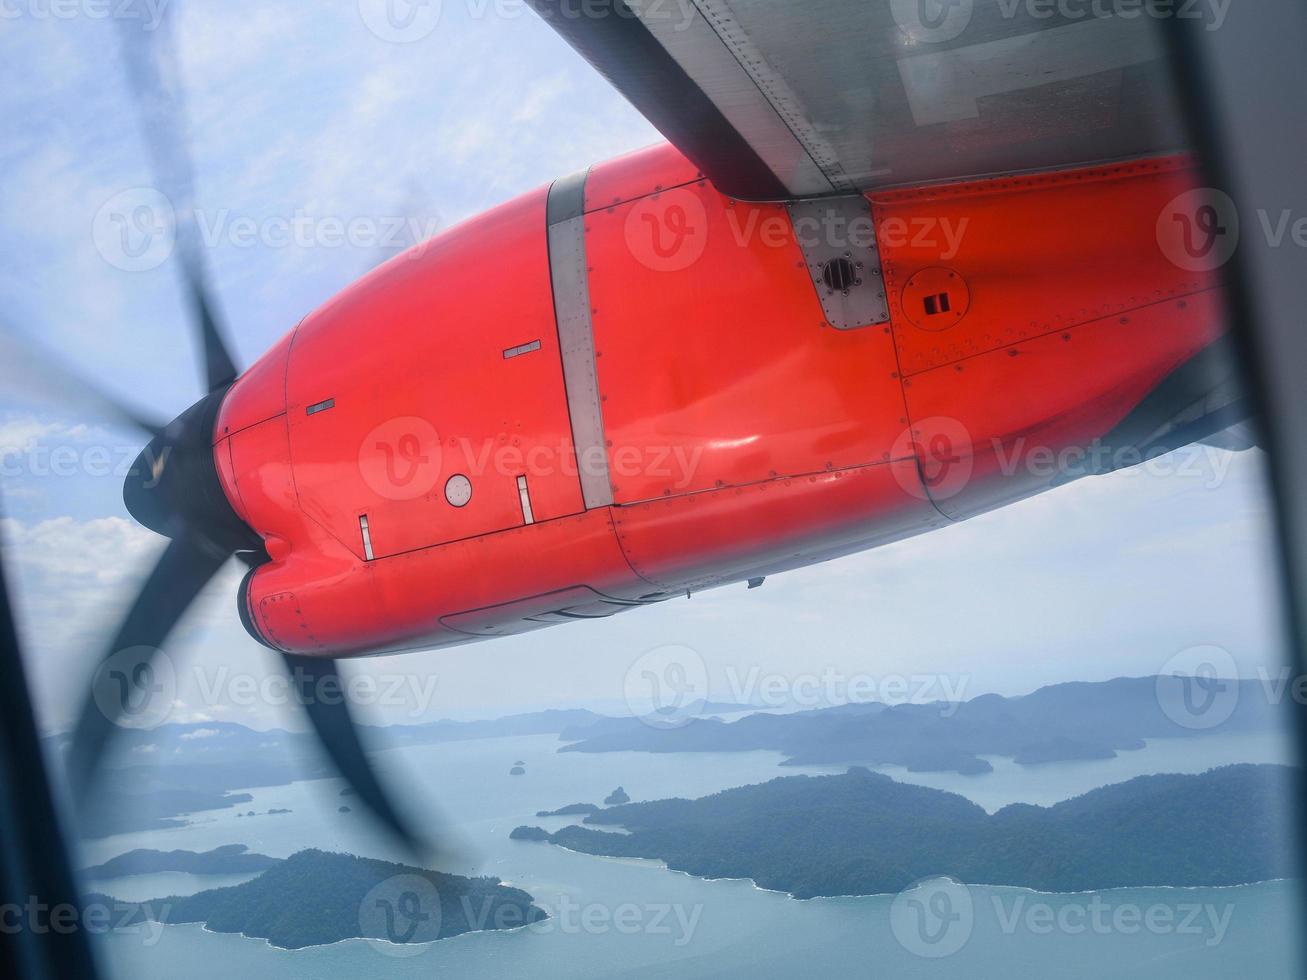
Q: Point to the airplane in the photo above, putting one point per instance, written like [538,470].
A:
[964,256]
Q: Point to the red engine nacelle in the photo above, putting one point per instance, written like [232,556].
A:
[626,386]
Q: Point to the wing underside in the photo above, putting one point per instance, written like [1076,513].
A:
[783,99]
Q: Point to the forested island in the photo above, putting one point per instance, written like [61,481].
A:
[1061,723]
[233,859]
[863,833]
[571,810]
[314,897]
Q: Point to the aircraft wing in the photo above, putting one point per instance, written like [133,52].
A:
[783,99]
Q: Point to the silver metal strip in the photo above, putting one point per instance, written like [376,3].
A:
[576,345]
[524,495]
[367,537]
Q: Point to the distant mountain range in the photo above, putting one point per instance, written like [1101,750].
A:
[313,898]
[168,772]
[863,833]
[231,859]
[1054,724]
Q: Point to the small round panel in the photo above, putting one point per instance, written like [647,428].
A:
[936,298]
[458,490]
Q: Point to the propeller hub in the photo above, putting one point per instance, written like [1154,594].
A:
[173,488]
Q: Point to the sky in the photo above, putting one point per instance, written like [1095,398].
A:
[327,112]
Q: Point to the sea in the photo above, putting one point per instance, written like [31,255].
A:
[633,918]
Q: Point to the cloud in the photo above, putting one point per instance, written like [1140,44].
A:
[199,733]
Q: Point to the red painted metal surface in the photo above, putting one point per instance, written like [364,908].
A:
[745,435]
[716,364]
[1073,313]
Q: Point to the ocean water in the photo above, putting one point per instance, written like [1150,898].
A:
[622,918]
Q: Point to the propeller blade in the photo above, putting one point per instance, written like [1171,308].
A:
[125,675]
[151,61]
[34,376]
[328,710]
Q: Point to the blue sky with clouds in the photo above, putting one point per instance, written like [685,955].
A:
[301,110]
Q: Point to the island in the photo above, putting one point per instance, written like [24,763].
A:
[1061,749]
[517,771]
[616,796]
[863,833]
[233,859]
[314,897]
[1060,723]
[343,809]
[529,833]
[571,810]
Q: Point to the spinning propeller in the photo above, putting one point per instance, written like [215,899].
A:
[174,487]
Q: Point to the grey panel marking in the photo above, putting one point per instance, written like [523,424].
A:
[708,43]
[841,229]
[946,86]
[571,281]
[521,349]
[320,407]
